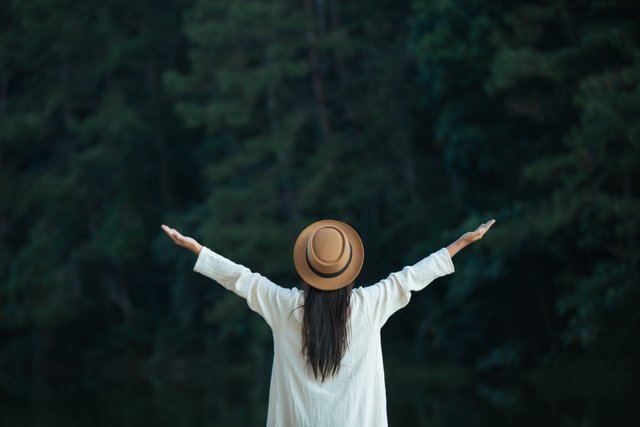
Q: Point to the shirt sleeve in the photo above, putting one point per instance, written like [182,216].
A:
[393,293]
[262,295]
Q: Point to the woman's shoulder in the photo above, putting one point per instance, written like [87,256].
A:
[293,295]
[359,291]
[363,291]
[360,295]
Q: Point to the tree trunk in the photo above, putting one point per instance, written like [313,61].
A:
[316,80]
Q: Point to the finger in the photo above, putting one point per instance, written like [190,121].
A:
[484,227]
[489,223]
[175,236]
[170,233]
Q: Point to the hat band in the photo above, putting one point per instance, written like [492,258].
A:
[330,275]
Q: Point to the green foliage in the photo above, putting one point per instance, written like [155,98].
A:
[82,149]
[239,122]
[556,90]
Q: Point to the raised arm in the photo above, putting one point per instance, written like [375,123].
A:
[469,237]
[262,295]
[391,294]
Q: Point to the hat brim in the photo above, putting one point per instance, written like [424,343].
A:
[332,283]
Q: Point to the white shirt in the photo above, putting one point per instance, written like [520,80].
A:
[356,395]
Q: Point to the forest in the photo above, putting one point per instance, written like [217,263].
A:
[240,122]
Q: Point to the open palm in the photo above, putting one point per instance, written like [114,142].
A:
[475,235]
[180,240]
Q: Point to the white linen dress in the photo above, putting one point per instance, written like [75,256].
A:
[356,395]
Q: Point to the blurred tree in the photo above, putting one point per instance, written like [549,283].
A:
[535,108]
[304,118]
[584,215]
[242,122]
[84,140]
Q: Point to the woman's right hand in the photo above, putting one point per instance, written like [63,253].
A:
[478,233]
[180,240]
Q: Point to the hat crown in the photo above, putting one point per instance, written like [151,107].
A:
[328,249]
[328,254]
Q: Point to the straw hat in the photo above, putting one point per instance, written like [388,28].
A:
[328,254]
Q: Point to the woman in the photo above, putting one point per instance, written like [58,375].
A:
[327,364]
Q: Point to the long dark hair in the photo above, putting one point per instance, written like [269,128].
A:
[325,331]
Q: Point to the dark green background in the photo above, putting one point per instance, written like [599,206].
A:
[240,122]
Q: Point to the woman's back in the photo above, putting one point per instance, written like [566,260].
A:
[355,395]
